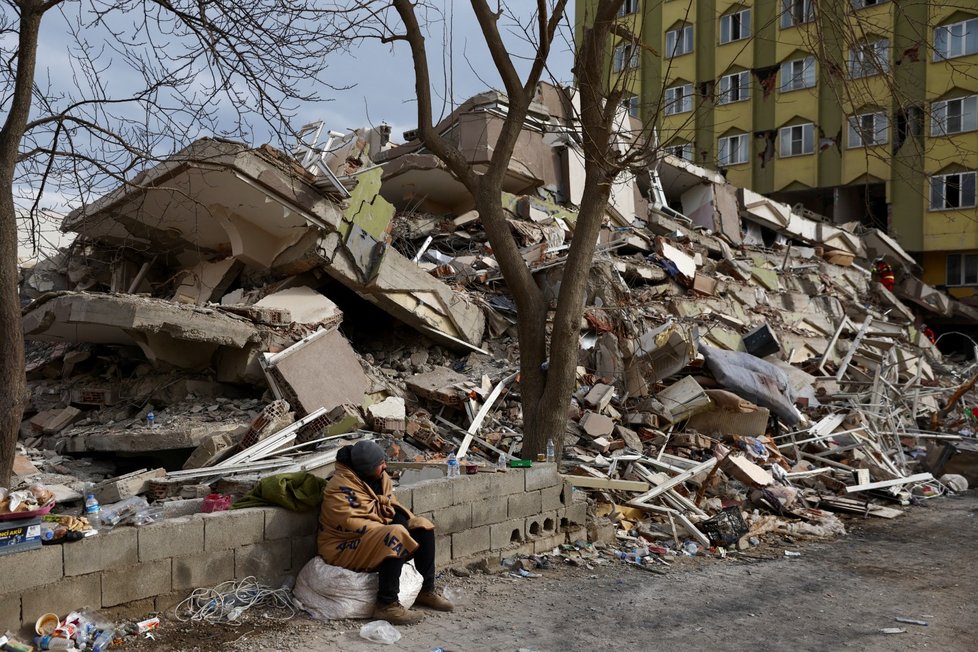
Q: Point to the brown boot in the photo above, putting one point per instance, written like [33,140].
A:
[433,600]
[396,614]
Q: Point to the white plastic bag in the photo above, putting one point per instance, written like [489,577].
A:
[330,592]
[380,631]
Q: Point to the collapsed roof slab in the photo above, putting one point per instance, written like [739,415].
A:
[182,335]
[213,198]
[401,288]
[142,439]
[222,197]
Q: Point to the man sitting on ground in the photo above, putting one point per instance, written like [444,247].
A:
[363,528]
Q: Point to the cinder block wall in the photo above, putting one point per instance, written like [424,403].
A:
[154,567]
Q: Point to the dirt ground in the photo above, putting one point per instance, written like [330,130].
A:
[837,594]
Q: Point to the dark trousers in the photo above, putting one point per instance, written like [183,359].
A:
[389,571]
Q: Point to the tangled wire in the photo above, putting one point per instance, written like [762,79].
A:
[226,602]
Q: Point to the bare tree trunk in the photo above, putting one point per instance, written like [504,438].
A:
[13,383]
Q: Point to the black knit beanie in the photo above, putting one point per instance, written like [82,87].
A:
[365,456]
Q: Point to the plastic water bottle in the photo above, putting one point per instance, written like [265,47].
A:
[453,470]
[92,508]
[52,643]
[551,451]
[151,419]
[501,462]
[103,640]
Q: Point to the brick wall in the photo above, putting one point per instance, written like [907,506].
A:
[153,567]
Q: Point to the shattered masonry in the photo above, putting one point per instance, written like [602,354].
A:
[734,352]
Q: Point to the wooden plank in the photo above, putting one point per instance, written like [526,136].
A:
[609,484]
[483,413]
[856,507]
[918,477]
[676,499]
[679,516]
[852,349]
[677,480]
[267,446]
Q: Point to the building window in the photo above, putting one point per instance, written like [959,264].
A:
[956,39]
[628,7]
[679,41]
[733,150]
[867,59]
[962,269]
[626,56]
[631,105]
[868,129]
[679,99]
[950,191]
[859,4]
[796,12]
[681,150]
[954,116]
[797,140]
[734,27]
[734,88]
[797,74]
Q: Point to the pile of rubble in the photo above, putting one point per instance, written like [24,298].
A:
[236,312]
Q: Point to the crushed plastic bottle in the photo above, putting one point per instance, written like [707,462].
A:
[453,594]
[380,631]
[501,462]
[103,640]
[453,469]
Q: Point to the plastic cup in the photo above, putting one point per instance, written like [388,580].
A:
[46,624]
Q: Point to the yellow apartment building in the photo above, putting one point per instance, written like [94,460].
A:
[860,110]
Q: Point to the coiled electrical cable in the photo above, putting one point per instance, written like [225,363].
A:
[226,602]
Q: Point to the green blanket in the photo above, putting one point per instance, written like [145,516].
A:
[299,492]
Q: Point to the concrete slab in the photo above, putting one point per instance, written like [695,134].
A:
[298,372]
[304,305]
[181,335]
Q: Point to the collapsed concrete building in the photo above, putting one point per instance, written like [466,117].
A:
[734,350]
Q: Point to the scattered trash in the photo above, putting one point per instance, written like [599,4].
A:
[380,631]
[911,621]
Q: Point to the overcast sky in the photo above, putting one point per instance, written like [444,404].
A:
[381,77]
[384,75]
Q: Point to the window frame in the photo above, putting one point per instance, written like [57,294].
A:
[808,68]
[963,38]
[743,147]
[859,130]
[787,18]
[866,60]
[627,8]
[632,105]
[743,88]
[686,98]
[961,189]
[940,118]
[680,149]
[806,127]
[962,265]
[682,35]
[740,24]
[627,60]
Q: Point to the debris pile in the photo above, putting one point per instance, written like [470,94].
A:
[240,312]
